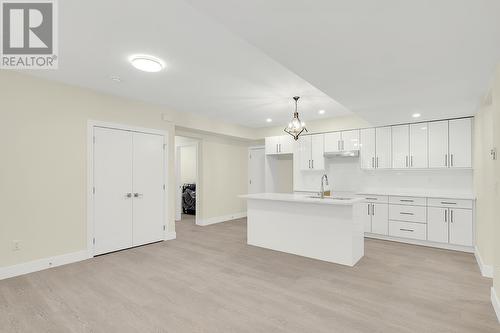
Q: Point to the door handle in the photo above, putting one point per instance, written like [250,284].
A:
[137,195]
[128,195]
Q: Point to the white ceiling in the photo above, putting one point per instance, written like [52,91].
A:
[242,61]
[383,59]
[210,71]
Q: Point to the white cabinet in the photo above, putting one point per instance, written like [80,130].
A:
[374,217]
[350,140]
[438,144]
[380,219]
[383,147]
[277,145]
[437,224]
[375,148]
[450,143]
[460,147]
[418,145]
[311,152]
[341,141]
[333,142]
[450,225]
[460,226]
[367,148]
[401,146]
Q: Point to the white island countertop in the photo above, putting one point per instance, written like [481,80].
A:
[303,198]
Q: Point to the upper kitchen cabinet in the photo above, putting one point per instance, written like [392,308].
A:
[383,147]
[438,144]
[460,146]
[311,152]
[409,146]
[278,145]
[337,142]
[401,146]
[418,146]
[450,143]
[367,148]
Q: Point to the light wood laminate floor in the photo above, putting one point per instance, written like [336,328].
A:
[209,280]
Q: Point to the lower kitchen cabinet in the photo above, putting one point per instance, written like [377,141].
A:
[450,225]
[375,217]
[437,220]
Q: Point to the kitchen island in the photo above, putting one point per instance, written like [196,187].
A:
[325,229]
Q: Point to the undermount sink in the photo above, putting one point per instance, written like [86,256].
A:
[329,198]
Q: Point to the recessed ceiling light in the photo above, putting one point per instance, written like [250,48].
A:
[116,78]
[416,115]
[269,120]
[321,111]
[147,63]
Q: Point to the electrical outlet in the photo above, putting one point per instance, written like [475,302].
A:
[16,245]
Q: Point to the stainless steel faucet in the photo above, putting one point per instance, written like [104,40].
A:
[325,179]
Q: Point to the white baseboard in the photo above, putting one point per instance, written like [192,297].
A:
[41,264]
[468,249]
[219,219]
[170,235]
[495,302]
[486,270]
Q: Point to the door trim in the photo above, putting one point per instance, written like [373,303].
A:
[91,124]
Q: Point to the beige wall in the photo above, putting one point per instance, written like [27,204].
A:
[496,180]
[188,164]
[484,186]
[43,168]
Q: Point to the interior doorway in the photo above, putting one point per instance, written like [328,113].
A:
[256,165]
[187,198]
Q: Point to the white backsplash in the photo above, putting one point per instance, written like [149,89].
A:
[345,174]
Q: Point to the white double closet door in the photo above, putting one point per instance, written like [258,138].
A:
[129,189]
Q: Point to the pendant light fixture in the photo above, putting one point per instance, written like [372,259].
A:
[296,127]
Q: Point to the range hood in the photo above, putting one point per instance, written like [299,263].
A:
[344,153]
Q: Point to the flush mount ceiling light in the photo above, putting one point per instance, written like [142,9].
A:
[416,115]
[269,120]
[321,111]
[296,127]
[116,79]
[147,63]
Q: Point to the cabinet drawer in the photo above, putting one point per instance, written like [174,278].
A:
[408,213]
[375,198]
[408,230]
[451,203]
[408,200]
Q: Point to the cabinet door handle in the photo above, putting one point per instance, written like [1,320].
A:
[451,215]
[406,157]
[451,157]
[411,161]
[377,162]
[312,163]
[445,159]
[373,162]
[405,213]
[407,230]
[338,144]
[368,208]
[446,215]
[373,209]
[448,203]
[406,200]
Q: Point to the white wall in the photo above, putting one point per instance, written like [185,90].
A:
[188,164]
